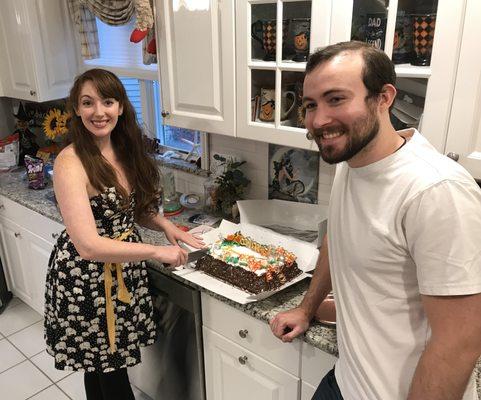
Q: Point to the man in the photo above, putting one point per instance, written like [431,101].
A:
[403,247]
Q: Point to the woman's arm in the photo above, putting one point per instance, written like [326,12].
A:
[70,186]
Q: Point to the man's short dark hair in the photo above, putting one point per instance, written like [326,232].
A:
[377,71]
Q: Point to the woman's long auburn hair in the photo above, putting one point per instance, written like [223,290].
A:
[127,142]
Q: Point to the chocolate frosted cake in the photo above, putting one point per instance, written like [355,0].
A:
[249,265]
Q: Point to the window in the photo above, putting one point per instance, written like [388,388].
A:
[119,54]
[132,87]
[145,97]
[171,136]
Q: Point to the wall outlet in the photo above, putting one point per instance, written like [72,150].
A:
[215,165]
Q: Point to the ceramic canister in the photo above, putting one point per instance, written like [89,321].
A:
[423,37]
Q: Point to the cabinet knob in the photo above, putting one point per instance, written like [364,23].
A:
[165,114]
[33,92]
[243,333]
[55,235]
[453,156]
[243,359]
[17,234]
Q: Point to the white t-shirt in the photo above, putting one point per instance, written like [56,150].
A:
[406,225]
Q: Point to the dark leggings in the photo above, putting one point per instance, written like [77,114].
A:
[113,385]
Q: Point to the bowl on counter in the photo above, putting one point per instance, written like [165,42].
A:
[326,312]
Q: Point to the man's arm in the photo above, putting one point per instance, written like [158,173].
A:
[450,356]
[297,319]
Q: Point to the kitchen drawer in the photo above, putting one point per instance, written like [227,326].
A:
[251,333]
[30,220]
[315,364]
[234,373]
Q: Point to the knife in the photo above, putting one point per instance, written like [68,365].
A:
[196,254]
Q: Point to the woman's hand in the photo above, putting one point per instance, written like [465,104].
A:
[172,255]
[174,235]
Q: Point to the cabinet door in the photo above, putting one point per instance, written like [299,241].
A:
[315,364]
[196,42]
[233,373]
[38,60]
[12,237]
[38,252]
[307,391]
[53,42]
[464,135]
[17,61]
[270,67]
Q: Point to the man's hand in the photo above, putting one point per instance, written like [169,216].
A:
[294,321]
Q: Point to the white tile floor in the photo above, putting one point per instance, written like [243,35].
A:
[26,370]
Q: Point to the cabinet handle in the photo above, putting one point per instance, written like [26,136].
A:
[453,156]
[243,360]
[165,114]
[243,333]
[55,235]
[33,92]
[17,234]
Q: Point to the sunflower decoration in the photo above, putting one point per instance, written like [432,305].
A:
[55,123]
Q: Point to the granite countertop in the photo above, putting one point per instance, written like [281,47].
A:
[14,186]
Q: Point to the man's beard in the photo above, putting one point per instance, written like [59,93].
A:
[361,133]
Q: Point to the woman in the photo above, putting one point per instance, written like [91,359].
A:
[98,311]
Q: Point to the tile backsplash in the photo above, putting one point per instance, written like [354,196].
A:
[256,168]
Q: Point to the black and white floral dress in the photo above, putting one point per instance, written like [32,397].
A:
[75,316]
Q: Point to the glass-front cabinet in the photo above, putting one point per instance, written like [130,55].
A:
[270,66]
[422,37]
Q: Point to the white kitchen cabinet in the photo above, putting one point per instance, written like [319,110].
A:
[16,259]
[315,364]
[307,391]
[234,373]
[464,134]
[196,58]
[262,69]
[242,357]
[38,60]
[35,269]
[250,333]
[27,239]
[202,89]
[430,86]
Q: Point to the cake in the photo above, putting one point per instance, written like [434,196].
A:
[248,265]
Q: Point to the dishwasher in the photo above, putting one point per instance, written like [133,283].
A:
[5,294]
[173,367]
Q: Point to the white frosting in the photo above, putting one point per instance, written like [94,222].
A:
[217,252]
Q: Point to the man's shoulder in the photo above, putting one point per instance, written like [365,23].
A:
[427,166]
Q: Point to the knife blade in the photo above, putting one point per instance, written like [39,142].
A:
[196,254]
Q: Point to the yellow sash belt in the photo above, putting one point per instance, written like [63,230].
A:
[123,294]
